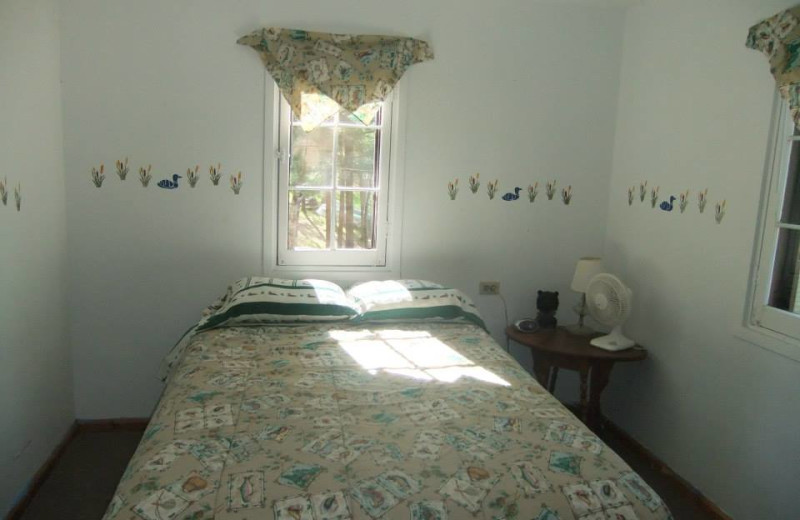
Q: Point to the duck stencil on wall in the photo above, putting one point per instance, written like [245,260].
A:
[4,191]
[18,198]
[668,206]
[512,196]
[98,176]
[532,190]
[169,184]
[682,199]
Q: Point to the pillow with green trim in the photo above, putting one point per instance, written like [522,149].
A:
[411,300]
[256,301]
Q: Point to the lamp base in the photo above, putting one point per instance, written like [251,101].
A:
[579,329]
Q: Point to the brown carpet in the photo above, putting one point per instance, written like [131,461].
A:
[83,481]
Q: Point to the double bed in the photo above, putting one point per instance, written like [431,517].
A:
[392,412]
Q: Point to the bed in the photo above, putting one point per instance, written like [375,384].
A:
[394,413]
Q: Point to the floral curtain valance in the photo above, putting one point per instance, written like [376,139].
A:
[778,38]
[354,71]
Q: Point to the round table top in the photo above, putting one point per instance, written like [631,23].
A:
[562,342]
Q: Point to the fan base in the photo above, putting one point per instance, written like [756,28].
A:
[614,341]
[580,330]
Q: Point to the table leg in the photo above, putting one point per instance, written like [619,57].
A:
[584,374]
[541,369]
[601,372]
[554,375]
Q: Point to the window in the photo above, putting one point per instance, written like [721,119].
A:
[776,291]
[333,190]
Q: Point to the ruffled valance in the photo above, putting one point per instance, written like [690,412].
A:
[353,71]
[778,38]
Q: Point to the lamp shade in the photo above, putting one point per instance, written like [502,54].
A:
[584,271]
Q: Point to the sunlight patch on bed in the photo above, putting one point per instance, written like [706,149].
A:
[324,293]
[424,350]
[413,373]
[375,354]
[413,354]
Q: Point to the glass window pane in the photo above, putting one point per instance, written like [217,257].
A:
[791,200]
[784,293]
[355,219]
[311,162]
[355,157]
[309,219]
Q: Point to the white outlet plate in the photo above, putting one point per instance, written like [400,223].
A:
[488,287]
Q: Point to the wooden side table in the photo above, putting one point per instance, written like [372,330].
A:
[553,349]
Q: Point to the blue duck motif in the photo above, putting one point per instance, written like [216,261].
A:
[169,184]
[667,206]
[512,196]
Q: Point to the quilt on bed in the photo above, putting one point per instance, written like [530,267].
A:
[338,421]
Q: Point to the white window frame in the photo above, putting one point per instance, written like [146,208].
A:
[780,329]
[384,262]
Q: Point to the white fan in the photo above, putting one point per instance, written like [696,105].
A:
[609,302]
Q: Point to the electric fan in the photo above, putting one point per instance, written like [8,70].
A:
[609,302]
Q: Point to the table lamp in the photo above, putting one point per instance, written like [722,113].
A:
[585,269]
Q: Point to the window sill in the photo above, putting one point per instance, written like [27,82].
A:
[769,340]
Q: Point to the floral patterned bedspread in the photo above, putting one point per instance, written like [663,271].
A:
[333,421]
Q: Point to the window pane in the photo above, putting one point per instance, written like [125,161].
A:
[309,219]
[791,201]
[311,160]
[355,219]
[355,157]
[784,292]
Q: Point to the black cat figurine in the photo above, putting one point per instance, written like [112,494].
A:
[547,305]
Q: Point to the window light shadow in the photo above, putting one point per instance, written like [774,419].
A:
[384,292]
[413,354]
[325,293]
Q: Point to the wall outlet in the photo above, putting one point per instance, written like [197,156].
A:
[488,287]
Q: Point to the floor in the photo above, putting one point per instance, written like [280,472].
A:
[84,479]
[680,505]
[83,482]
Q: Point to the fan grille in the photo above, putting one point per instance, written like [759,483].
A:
[608,299]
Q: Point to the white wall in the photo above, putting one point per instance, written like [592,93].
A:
[520,91]
[35,367]
[694,112]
